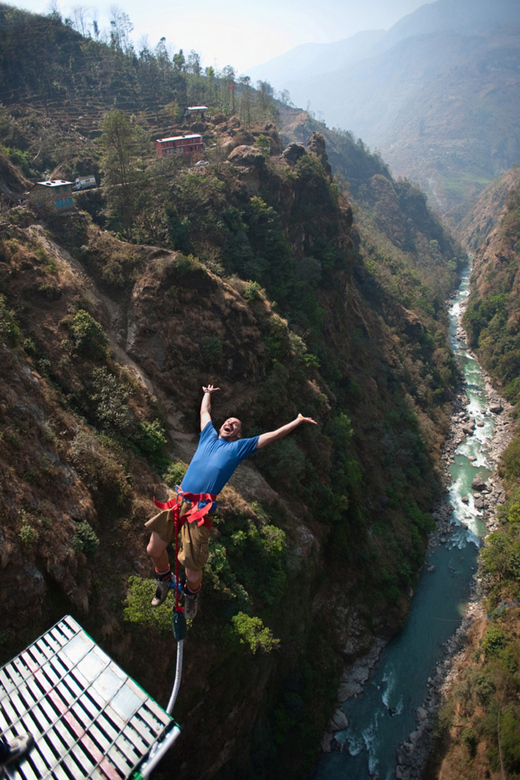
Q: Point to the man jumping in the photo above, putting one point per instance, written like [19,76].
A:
[212,466]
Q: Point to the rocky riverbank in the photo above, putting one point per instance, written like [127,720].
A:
[488,494]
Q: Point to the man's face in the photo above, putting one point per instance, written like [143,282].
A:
[231,430]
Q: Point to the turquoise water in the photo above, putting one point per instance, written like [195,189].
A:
[385,714]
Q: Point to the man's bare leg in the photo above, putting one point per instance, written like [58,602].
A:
[193,579]
[192,586]
[156,549]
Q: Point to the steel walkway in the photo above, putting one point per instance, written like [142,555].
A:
[87,717]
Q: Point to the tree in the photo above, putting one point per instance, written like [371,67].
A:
[228,78]
[179,62]
[123,146]
[210,84]
[80,19]
[245,100]
[120,29]
[53,10]
[194,69]
[285,97]
[193,63]
[265,98]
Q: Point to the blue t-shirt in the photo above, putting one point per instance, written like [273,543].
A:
[214,461]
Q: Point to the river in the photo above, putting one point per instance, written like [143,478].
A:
[386,713]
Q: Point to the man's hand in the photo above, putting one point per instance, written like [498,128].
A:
[306,419]
[267,438]
[205,407]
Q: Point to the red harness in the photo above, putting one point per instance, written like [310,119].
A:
[194,513]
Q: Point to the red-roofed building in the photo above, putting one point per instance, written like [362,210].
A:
[179,144]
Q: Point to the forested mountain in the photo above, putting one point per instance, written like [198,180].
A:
[256,272]
[437,95]
[479,724]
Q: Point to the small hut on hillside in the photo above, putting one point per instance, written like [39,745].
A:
[52,195]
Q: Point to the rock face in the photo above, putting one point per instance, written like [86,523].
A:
[251,163]
[317,146]
[247,157]
[293,153]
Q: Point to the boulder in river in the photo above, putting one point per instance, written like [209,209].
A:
[478,483]
[339,720]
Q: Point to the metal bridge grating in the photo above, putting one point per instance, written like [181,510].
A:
[87,717]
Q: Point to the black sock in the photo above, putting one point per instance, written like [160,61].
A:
[163,575]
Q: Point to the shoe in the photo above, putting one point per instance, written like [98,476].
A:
[18,747]
[163,588]
[190,605]
[190,600]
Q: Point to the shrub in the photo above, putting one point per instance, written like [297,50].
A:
[175,473]
[510,465]
[263,144]
[8,328]
[49,291]
[252,291]
[224,581]
[85,539]
[109,403]
[98,465]
[186,265]
[87,335]
[251,631]
[152,437]
[499,557]
[510,738]
[137,606]
[30,347]
[42,472]
[468,738]
[29,535]
[493,642]
[211,349]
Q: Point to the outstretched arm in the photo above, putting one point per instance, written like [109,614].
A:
[270,436]
[205,407]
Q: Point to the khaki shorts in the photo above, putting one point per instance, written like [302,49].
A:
[194,539]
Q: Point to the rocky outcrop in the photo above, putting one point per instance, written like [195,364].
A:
[317,147]
[293,153]
[250,163]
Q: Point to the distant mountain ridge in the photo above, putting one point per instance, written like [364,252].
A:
[438,94]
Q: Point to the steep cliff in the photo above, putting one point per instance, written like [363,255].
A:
[254,273]
[106,346]
[478,728]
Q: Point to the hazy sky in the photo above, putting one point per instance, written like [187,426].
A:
[241,33]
